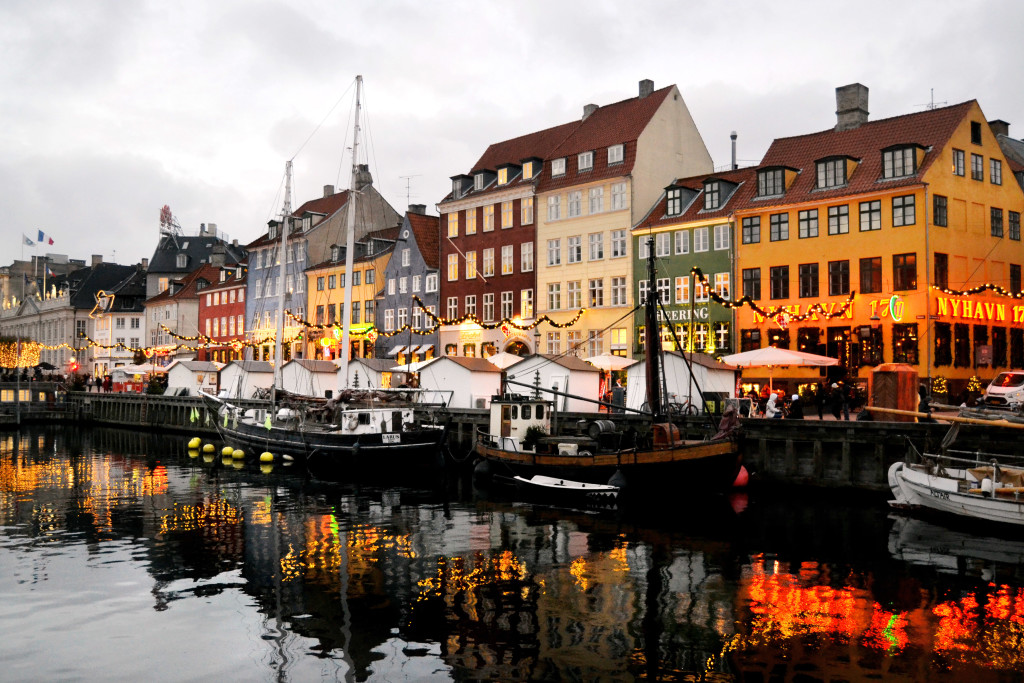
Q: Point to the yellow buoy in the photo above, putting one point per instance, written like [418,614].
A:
[227,461]
[238,454]
[193,453]
[208,448]
[194,443]
[208,458]
[266,456]
[227,450]
[238,464]
[266,469]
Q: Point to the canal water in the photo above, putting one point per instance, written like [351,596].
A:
[122,557]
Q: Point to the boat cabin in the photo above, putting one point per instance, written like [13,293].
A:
[512,416]
[375,420]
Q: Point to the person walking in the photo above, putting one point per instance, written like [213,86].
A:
[836,401]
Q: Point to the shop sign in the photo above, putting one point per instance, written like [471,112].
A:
[683,314]
[809,312]
[966,309]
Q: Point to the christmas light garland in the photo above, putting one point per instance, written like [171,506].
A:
[988,286]
[774,311]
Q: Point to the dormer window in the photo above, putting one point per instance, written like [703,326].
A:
[182,261]
[675,202]
[503,176]
[335,253]
[771,182]
[586,161]
[558,167]
[528,170]
[616,154]
[831,172]
[478,181]
[272,232]
[899,162]
[712,195]
[456,188]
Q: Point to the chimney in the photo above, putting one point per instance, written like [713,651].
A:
[851,106]
[646,87]
[144,263]
[588,109]
[363,177]
[211,229]
[96,259]
[420,209]
[999,127]
[234,243]
[218,255]
[202,229]
[328,190]
[732,136]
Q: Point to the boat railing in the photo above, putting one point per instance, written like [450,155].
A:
[971,458]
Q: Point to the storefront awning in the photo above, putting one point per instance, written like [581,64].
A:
[423,348]
[395,350]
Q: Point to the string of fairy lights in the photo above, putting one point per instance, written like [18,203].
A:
[774,312]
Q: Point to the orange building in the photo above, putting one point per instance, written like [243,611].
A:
[872,242]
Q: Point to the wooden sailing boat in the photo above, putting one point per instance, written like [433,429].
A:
[354,430]
[520,440]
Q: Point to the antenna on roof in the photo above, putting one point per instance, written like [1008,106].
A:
[408,187]
[932,104]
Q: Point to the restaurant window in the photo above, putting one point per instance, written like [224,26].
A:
[980,340]
[807,340]
[904,343]
[943,344]
[778,338]
[868,346]
[961,345]
[999,347]
[751,339]
[904,272]
[779,278]
[1016,347]
[808,276]
[838,278]
[941,271]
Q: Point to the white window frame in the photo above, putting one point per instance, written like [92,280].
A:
[616,154]
[700,239]
[488,262]
[558,167]
[721,237]
[585,161]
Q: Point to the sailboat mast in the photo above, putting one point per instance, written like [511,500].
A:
[350,240]
[281,258]
[652,349]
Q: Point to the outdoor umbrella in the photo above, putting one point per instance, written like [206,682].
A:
[609,362]
[770,357]
[503,360]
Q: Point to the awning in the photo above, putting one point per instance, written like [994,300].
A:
[423,348]
[395,350]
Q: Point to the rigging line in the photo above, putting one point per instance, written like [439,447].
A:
[302,146]
[689,366]
[341,160]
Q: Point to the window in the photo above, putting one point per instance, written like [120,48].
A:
[779,278]
[995,171]
[700,292]
[554,342]
[904,271]
[478,181]
[897,163]
[405,260]
[940,210]
[722,285]
[554,207]
[331,314]
[470,265]
[778,227]
[489,218]
[573,295]
[453,268]
[615,154]
[831,173]
[838,278]
[554,252]
[977,167]
[942,271]
[526,303]
[770,182]
[182,260]
[903,211]
[488,262]
[871,275]
[595,342]
[585,161]
[1014,225]
[721,237]
[356,311]
[507,310]
[712,195]
[808,223]
[674,206]
[664,290]
[618,243]
[508,255]
[996,221]
[752,283]
[417,318]
[528,170]
[808,275]
[430,285]
[403,317]
[958,162]
[332,281]
[596,199]
[618,196]
[596,244]
[526,257]
[700,239]
[871,215]
[575,203]
[682,239]
[357,274]
[596,288]
[573,341]
[574,248]
[453,225]
[752,230]
[503,176]
[975,132]
[1015,281]
[415,281]
[471,221]
[554,296]
[489,307]
[526,212]
[663,244]
[838,220]
[403,282]
[683,289]
[558,167]
[470,304]
[618,291]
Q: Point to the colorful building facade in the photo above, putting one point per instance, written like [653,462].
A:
[222,316]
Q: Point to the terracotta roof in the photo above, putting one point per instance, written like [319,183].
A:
[231,281]
[427,231]
[189,289]
[930,129]
[745,178]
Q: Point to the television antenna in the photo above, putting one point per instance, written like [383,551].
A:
[408,186]
[932,104]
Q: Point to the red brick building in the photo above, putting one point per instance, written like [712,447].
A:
[222,314]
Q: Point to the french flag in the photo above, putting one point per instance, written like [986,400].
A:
[43,239]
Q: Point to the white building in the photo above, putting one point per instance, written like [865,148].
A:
[566,374]
[192,375]
[460,382]
[310,377]
[709,375]
[246,378]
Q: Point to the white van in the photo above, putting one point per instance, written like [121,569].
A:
[1007,389]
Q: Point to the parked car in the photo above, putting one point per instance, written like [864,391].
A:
[1007,389]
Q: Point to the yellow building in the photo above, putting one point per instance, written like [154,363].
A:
[595,186]
[867,243]
[326,302]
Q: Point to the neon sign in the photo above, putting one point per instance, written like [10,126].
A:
[896,308]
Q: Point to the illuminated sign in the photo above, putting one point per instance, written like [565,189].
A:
[966,309]
[794,311]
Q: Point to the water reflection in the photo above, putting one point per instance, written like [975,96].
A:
[242,574]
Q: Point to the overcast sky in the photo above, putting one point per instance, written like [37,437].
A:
[112,108]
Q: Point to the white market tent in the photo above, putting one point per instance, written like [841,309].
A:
[244,378]
[192,375]
[566,374]
[712,377]
[310,377]
[469,382]
[366,373]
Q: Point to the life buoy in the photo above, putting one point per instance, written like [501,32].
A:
[352,422]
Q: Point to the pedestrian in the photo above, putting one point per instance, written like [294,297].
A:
[848,398]
[88,383]
[771,409]
[836,401]
[819,400]
[796,408]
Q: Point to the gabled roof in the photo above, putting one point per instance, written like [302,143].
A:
[232,280]
[929,129]
[251,366]
[1013,149]
[85,282]
[389,235]
[325,206]
[129,294]
[569,362]
[311,365]
[746,178]
[471,364]
[197,249]
[194,365]
[427,232]
[377,364]
[189,285]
